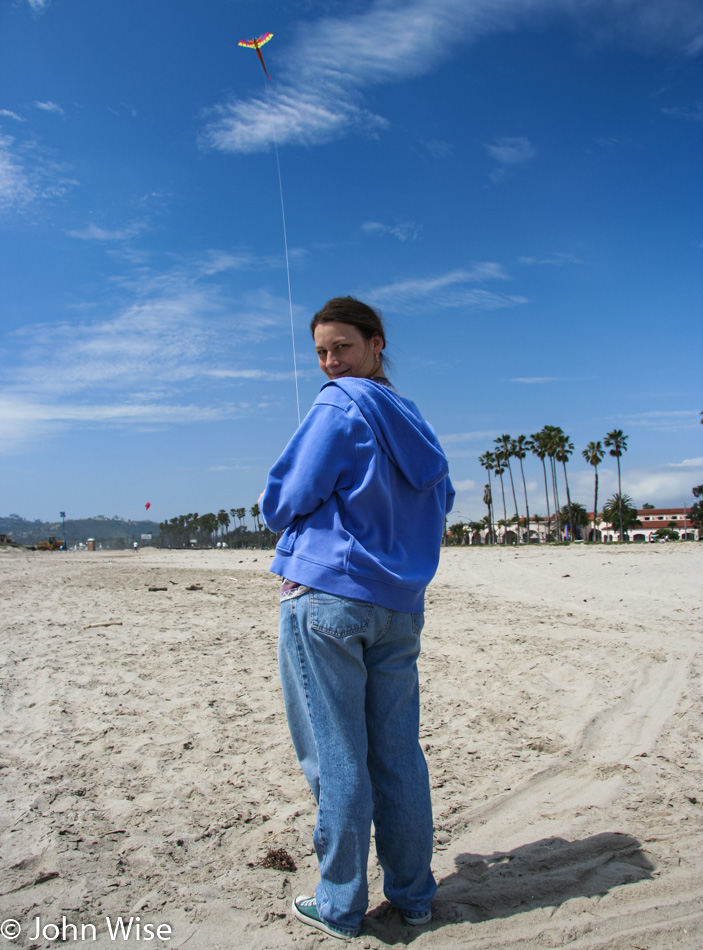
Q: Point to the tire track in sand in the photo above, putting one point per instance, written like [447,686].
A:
[590,774]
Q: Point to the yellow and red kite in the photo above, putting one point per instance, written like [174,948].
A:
[257,44]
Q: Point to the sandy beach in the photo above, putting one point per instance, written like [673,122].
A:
[147,770]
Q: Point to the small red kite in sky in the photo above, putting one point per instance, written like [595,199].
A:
[257,44]
[147,505]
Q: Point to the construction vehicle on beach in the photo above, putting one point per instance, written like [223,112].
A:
[52,544]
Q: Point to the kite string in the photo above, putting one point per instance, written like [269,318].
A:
[285,244]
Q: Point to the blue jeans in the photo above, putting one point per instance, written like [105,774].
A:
[350,684]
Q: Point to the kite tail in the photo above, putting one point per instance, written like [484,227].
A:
[261,60]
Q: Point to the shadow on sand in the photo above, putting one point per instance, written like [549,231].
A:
[546,873]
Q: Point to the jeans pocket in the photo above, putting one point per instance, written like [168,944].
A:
[418,621]
[339,616]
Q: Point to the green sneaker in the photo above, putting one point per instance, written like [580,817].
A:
[417,918]
[305,909]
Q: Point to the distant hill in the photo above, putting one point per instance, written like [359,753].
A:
[77,530]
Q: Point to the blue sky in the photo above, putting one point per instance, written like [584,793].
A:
[515,184]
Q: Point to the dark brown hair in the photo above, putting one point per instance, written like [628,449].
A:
[368,321]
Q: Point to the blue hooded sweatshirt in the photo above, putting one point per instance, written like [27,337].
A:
[362,490]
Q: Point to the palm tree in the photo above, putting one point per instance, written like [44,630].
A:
[172,538]
[563,454]
[488,461]
[695,515]
[487,523]
[538,519]
[576,516]
[488,502]
[223,519]
[192,525]
[499,472]
[208,525]
[616,441]
[538,447]
[621,509]
[551,436]
[520,447]
[474,528]
[255,513]
[505,443]
[458,532]
[594,455]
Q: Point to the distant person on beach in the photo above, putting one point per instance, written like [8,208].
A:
[136,547]
[361,493]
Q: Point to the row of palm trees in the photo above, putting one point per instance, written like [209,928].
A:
[210,528]
[553,448]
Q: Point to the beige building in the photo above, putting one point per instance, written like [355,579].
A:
[651,519]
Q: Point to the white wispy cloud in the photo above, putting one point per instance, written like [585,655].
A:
[692,113]
[538,379]
[49,107]
[511,151]
[171,354]
[29,174]
[92,232]
[508,153]
[121,412]
[558,259]
[320,76]
[438,148]
[151,339]
[9,114]
[405,231]
[248,374]
[468,445]
[665,484]
[693,464]
[38,6]
[477,435]
[650,25]
[24,420]
[465,484]
[451,290]
[16,188]
[216,261]
[480,271]
[665,421]
[660,485]
[613,142]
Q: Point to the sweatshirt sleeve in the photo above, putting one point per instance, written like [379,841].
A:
[320,458]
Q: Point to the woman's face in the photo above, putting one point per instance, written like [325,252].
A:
[343,351]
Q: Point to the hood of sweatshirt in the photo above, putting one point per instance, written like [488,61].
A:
[402,433]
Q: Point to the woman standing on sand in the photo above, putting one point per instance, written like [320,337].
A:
[362,490]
